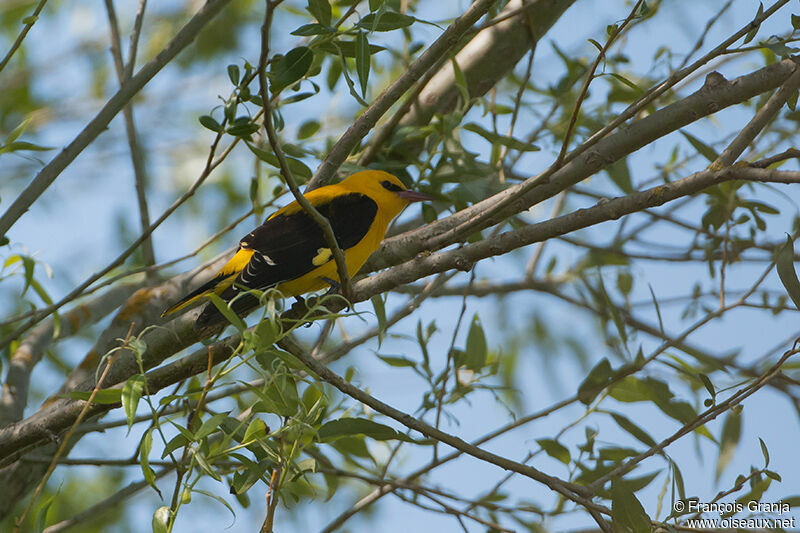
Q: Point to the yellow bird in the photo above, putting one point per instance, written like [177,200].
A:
[289,252]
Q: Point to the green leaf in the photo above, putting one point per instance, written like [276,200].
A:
[380,314]
[620,174]
[131,393]
[320,10]
[707,384]
[249,476]
[279,396]
[795,22]
[362,61]
[233,74]
[216,498]
[784,262]
[30,265]
[244,130]
[161,520]
[397,361]
[206,466]
[297,167]
[626,82]
[348,427]
[596,381]
[144,459]
[267,333]
[257,429]
[178,441]
[461,81]
[23,145]
[307,129]
[628,513]
[209,122]
[41,512]
[18,131]
[752,33]
[347,48]
[764,452]
[616,454]
[290,68]
[103,396]
[386,21]
[493,138]
[731,433]
[227,312]
[701,147]
[210,426]
[476,350]
[307,30]
[555,449]
[637,432]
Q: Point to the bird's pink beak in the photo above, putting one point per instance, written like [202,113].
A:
[414,196]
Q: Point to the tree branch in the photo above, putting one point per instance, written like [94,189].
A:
[716,94]
[98,124]
[367,120]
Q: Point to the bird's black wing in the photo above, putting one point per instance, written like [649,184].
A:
[285,246]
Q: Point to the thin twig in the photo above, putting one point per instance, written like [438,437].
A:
[100,122]
[310,210]
[137,154]
[589,78]
[67,435]
[569,490]
[367,120]
[21,37]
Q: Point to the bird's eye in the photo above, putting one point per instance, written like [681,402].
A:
[389,186]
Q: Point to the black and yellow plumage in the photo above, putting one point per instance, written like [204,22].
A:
[289,252]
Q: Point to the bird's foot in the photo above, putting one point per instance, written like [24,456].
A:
[335,288]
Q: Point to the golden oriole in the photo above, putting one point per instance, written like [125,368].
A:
[289,252]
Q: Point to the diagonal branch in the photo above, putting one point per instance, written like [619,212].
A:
[568,490]
[98,124]
[367,120]
[716,94]
[137,155]
[323,223]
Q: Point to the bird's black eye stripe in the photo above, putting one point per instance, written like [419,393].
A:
[389,186]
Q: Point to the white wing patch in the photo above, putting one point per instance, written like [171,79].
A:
[249,273]
[322,257]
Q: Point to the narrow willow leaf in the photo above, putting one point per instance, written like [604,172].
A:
[227,312]
[290,68]
[362,61]
[477,349]
[321,10]
[387,21]
[348,427]
[597,379]
[637,432]
[210,426]
[380,314]
[144,460]
[131,393]
[784,263]
[555,449]
[729,439]
[701,147]
[628,513]
[103,396]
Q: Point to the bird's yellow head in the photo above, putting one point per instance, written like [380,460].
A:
[387,190]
